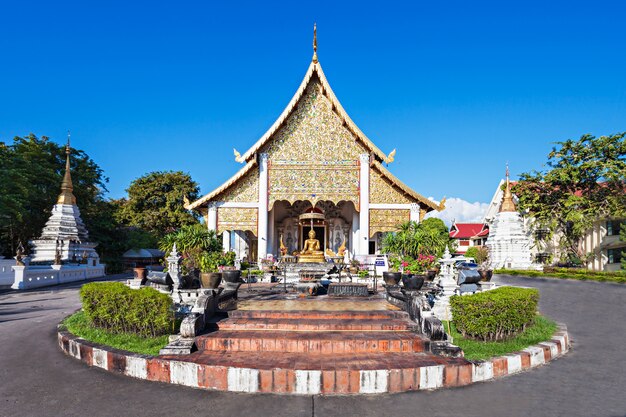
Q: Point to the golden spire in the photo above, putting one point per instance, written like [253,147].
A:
[315,43]
[67,195]
[507,200]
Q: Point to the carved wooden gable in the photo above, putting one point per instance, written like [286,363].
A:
[245,190]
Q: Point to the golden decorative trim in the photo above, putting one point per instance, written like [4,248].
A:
[230,218]
[387,220]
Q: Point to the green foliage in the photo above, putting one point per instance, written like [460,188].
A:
[118,309]
[210,261]
[580,274]
[193,241]
[472,252]
[540,331]
[585,181]
[31,171]
[494,315]
[155,202]
[79,325]
[430,237]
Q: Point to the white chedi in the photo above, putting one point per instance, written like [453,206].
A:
[509,242]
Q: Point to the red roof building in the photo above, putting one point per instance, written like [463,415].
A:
[468,235]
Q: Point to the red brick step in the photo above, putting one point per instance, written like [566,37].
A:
[314,342]
[367,325]
[318,314]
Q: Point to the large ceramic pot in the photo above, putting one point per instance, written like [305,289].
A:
[431,274]
[413,282]
[392,278]
[485,275]
[210,279]
[231,275]
[140,273]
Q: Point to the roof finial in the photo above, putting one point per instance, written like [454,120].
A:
[315,42]
[67,195]
[508,205]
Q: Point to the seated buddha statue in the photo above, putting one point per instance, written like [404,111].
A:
[311,251]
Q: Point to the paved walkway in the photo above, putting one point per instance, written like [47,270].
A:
[38,380]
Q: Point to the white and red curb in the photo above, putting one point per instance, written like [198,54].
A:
[311,382]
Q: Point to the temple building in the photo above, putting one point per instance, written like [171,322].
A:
[313,169]
[64,237]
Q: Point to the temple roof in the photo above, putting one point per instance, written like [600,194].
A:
[406,189]
[243,171]
[316,74]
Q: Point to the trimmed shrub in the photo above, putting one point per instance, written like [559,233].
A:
[118,309]
[494,315]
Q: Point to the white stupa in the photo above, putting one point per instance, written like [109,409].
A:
[64,237]
[508,242]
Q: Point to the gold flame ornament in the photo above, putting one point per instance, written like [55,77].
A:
[391,157]
[238,157]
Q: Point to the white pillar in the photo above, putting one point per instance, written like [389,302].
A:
[262,225]
[364,204]
[415,212]
[226,240]
[212,217]
[354,236]
[271,235]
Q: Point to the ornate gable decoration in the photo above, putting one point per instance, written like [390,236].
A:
[313,156]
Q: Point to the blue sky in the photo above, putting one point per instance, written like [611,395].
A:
[459,88]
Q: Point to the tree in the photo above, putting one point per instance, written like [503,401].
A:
[430,237]
[31,170]
[585,181]
[622,237]
[155,202]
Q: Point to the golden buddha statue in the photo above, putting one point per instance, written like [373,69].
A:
[311,251]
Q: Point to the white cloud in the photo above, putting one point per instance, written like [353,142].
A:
[460,210]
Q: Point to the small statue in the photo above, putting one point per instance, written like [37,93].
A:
[283,248]
[19,255]
[342,249]
[330,252]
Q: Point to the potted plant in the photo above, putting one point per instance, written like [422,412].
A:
[482,259]
[229,273]
[210,275]
[363,273]
[393,275]
[354,266]
[415,271]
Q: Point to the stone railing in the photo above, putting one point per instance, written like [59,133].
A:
[34,276]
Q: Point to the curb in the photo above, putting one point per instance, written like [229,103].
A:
[311,382]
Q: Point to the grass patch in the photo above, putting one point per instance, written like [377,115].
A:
[79,325]
[541,331]
[565,273]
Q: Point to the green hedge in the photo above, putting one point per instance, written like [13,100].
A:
[569,273]
[494,315]
[118,309]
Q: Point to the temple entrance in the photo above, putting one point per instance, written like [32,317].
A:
[333,227]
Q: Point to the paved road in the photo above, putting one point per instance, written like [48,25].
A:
[36,379]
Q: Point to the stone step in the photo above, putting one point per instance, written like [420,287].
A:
[316,361]
[319,314]
[314,342]
[326,324]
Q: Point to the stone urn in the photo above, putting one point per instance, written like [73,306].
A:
[140,273]
[210,279]
[485,274]
[231,276]
[392,278]
[412,282]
